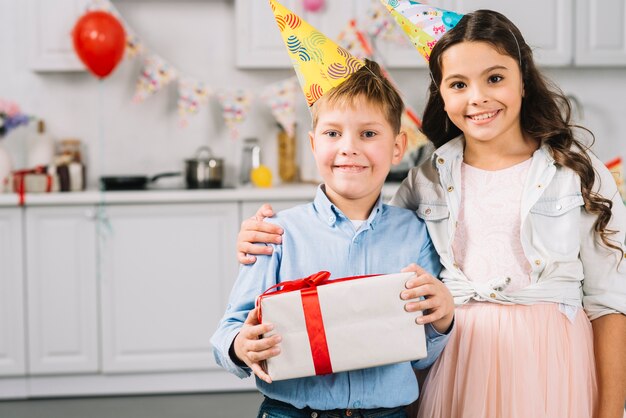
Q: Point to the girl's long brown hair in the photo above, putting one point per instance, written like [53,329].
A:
[545,113]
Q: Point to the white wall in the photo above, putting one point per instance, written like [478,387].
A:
[198,37]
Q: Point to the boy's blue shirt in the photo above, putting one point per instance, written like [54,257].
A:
[319,237]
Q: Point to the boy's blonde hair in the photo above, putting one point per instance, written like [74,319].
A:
[368,82]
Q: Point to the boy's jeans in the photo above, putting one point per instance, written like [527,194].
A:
[271,408]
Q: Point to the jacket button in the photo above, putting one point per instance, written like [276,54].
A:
[348,413]
[427,211]
[314,415]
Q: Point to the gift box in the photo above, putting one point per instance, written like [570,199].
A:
[329,326]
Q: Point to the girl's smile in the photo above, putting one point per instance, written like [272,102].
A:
[482,90]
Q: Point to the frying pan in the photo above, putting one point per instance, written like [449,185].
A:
[132,182]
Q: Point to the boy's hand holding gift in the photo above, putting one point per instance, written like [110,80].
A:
[251,349]
[437,302]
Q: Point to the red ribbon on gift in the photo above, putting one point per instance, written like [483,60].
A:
[19,178]
[312,313]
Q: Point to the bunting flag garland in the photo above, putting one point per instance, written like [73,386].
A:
[191,95]
[157,73]
[281,97]
[235,106]
[380,26]
[354,41]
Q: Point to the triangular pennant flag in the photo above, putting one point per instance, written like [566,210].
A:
[156,74]
[235,106]
[354,41]
[191,95]
[320,63]
[281,97]
[423,24]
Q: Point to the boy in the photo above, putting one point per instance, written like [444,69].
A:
[348,231]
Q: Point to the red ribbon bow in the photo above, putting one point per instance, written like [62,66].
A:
[312,313]
[19,178]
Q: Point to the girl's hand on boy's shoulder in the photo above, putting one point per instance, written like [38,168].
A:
[252,349]
[437,305]
[256,230]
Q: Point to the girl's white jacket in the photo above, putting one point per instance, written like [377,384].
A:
[569,264]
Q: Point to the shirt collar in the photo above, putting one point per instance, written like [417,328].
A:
[449,151]
[455,147]
[331,214]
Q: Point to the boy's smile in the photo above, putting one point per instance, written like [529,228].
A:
[354,147]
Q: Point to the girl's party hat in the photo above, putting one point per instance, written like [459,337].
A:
[424,24]
[320,63]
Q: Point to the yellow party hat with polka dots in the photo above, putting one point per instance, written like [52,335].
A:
[320,63]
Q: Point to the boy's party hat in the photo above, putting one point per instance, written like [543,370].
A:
[424,24]
[320,63]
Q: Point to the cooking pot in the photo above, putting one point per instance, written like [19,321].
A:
[204,171]
[201,172]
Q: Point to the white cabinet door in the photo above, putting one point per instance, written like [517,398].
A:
[62,297]
[49,39]
[601,32]
[259,44]
[545,24]
[12,347]
[167,271]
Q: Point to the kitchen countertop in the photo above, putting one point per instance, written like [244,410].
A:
[90,197]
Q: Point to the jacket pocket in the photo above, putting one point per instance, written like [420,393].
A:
[556,226]
[558,206]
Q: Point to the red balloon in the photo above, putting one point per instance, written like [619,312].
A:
[99,40]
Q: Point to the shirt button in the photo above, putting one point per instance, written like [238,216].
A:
[427,211]
[538,262]
[558,207]
[539,186]
[441,160]
[492,295]
[314,415]
[456,266]
[450,188]
[331,219]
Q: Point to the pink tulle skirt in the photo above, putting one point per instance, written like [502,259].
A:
[510,361]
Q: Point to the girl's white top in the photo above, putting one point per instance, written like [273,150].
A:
[487,242]
[565,259]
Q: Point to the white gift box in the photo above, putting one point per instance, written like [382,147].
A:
[340,325]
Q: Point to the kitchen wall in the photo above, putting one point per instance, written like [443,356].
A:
[198,37]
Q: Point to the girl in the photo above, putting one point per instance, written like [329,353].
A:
[530,228]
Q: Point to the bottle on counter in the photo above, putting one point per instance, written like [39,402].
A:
[40,147]
[69,166]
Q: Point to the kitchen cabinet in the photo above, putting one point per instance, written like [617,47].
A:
[48,34]
[12,338]
[62,290]
[549,26]
[166,279]
[600,32]
[258,40]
